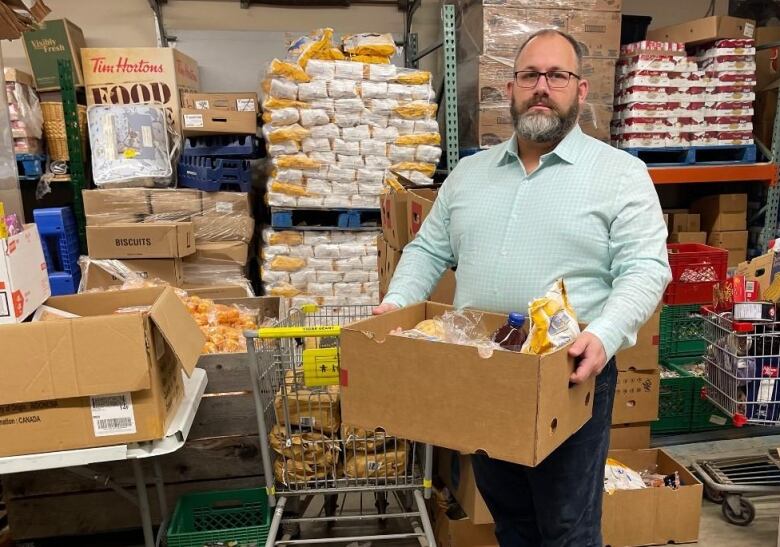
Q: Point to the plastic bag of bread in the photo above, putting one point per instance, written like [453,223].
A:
[292,132]
[389,464]
[427,169]
[288,471]
[282,116]
[291,71]
[419,138]
[318,45]
[295,161]
[618,476]
[273,103]
[381,45]
[321,70]
[416,110]
[286,264]
[287,188]
[553,322]
[309,447]
[355,438]
[412,76]
[273,237]
[370,60]
[315,409]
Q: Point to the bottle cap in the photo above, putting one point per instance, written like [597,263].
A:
[516,319]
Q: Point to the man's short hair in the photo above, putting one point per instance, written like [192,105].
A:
[552,32]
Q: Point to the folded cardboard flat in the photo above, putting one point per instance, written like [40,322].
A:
[394,224]
[146,240]
[722,213]
[227,203]
[704,30]
[418,205]
[468,409]
[456,472]
[636,396]
[462,533]
[688,237]
[101,379]
[217,113]
[633,436]
[120,200]
[175,201]
[763,269]
[644,354]
[233,251]
[652,516]
[24,280]
[164,269]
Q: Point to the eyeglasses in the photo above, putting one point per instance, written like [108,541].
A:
[556,79]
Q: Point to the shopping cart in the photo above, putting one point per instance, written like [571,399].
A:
[308,452]
[743,380]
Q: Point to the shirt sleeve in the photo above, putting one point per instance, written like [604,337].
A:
[428,255]
[640,265]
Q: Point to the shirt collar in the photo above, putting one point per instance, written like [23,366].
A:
[568,149]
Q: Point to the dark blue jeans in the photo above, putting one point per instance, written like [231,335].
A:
[558,502]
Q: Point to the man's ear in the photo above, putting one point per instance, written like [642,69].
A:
[582,91]
[510,88]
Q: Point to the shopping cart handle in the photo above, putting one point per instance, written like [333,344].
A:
[298,332]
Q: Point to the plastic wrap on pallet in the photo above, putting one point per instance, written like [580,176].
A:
[23,106]
[130,145]
[204,272]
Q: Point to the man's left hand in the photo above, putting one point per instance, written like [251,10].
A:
[592,357]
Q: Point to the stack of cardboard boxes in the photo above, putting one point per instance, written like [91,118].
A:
[684,227]
[490,34]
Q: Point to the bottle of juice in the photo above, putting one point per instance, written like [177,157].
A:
[512,335]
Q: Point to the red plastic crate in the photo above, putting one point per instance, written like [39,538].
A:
[693,256]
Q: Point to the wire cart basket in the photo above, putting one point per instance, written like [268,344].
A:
[743,377]
[308,450]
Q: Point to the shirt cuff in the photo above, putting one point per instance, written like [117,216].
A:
[610,338]
[395,299]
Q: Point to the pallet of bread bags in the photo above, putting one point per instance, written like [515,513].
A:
[336,118]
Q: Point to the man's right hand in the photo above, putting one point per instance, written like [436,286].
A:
[384,308]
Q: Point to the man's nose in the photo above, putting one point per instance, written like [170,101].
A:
[542,84]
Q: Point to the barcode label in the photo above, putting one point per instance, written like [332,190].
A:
[113,415]
[245,105]
[307,421]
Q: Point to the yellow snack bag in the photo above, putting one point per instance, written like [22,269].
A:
[433,139]
[285,238]
[273,103]
[553,322]
[369,44]
[287,263]
[287,70]
[416,77]
[296,161]
[288,189]
[427,169]
[293,132]
[318,45]
[284,289]
[416,110]
[391,180]
[370,59]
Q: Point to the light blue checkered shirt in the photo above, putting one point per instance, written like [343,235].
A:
[589,214]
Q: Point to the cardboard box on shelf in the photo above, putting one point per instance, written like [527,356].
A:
[728,240]
[597,32]
[111,201]
[53,40]
[688,237]
[652,516]
[722,213]
[763,269]
[644,354]
[76,393]
[233,102]
[140,75]
[24,280]
[227,203]
[633,436]
[16,75]
[146,240]
[704,30]
[395,227]
[233,251]
[636,396]
[546,415]
[418,205]
[456,472]
[174,201]
[164,269]
[685,222]
[462,533]
[218,122]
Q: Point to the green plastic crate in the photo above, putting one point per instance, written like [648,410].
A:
[679,333]
[674,404]
[704,415]
[228,515]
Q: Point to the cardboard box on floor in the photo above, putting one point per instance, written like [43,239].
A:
[462,533]
[110,378]
[24,280]
[633,436]
[722,212]
[53,40]
[652,516]
[219,113]
[704,30]
[456,472]
[533,390]
[644,354]
[164,269]
[145,240]
[636,396]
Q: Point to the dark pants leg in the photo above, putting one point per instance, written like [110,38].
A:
[558,502]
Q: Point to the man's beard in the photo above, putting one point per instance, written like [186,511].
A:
[543,126]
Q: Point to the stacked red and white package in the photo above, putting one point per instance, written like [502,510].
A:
[664,98]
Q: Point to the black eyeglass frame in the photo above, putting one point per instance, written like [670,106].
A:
[540,74]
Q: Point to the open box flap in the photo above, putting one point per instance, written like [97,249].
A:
[179,329]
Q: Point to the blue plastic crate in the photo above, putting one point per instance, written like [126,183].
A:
[30,166]
[215,174]
[59,238]
[233,146]
[62,283]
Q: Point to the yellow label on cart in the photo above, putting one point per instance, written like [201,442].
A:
[298,332]
[321,367]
